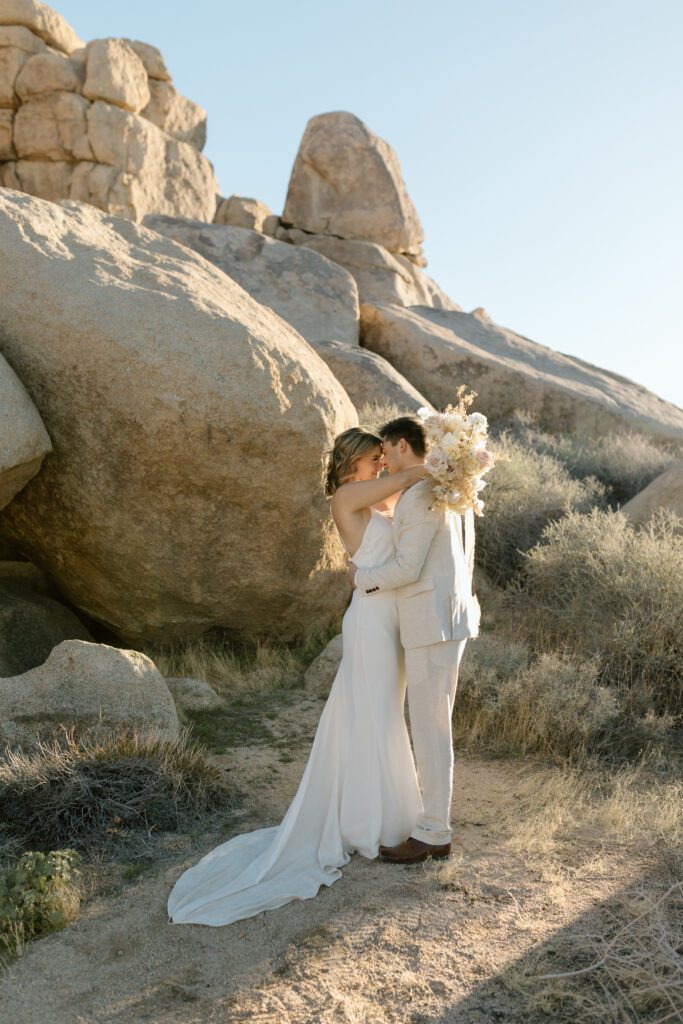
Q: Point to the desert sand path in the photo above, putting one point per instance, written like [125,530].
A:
[385,943]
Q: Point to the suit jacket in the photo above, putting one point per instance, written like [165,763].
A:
[431,571]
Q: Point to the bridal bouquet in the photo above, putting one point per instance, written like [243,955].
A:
[457,457]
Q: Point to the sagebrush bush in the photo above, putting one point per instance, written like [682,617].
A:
[553,705]
[40,893]
[524,492]
[624,461]
[92,793]
[606,590]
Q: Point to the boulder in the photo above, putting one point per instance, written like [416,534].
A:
[382,277]
[42,20]
[31,623]
[16,46]
[270,225]
[320,674]
[312,294]
[89,686]
[665,491]
[175,114]
[188,423]
[439,349]
[193,694]
[346,181]
[49,72]
[53,126]
[7,150]
[369,379]
[242,212]
[151,57]
[24,441]
[114,73]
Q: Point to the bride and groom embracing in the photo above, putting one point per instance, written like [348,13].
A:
[406,626]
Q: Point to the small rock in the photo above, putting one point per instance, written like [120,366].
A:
[193,694]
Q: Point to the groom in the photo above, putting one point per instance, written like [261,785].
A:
[432,576]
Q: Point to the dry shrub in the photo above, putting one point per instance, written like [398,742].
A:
[553,706]
[633,974]
[91,794]
[524,492]
[625,461]
[604,590]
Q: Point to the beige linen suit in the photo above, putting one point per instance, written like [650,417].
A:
[432,576]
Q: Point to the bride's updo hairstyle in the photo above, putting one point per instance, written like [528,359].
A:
[348,447]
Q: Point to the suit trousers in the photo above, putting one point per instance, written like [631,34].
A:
[432,678]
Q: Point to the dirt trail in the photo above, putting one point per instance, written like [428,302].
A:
[383,944]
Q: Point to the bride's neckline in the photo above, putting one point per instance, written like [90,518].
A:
[384,515]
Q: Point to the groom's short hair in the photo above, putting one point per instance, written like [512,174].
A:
[409,428]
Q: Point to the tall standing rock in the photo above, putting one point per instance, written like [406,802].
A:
[346,181]
[189,425]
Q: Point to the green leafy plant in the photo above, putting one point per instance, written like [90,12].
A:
[40,893]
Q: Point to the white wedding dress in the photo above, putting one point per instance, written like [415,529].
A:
[359,787]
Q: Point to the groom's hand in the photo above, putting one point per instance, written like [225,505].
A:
[351,573]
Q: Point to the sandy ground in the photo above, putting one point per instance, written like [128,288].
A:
[432,942]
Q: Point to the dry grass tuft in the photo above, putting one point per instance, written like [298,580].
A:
[373,415]
[239,671]
[93,793]
[629,805]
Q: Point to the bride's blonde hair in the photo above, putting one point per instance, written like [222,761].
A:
[348,446]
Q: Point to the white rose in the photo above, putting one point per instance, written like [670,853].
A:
[436,461]
[478,421]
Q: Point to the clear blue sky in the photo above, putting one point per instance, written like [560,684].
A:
[540,141]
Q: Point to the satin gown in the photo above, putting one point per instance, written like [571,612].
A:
[359,787]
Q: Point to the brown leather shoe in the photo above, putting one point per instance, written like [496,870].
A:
[411,850]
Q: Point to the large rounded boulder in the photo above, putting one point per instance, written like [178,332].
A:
[188,425]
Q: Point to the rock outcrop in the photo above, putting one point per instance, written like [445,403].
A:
[101,123]
[439,349]
[311,293]
[88,686]
[188,423]
[24,441]
[346,181]
[347,200]
[665,491]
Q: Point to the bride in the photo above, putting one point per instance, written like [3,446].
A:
[359,788]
